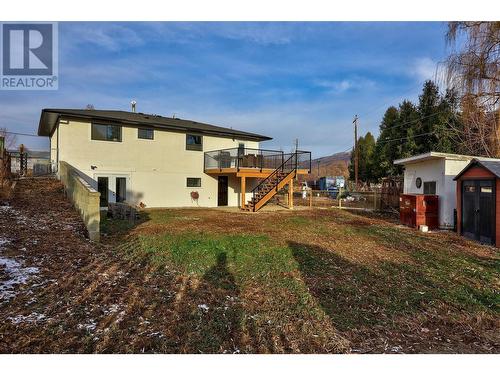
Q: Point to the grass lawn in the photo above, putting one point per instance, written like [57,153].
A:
[308,281]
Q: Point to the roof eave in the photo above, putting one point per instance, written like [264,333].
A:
[45,128]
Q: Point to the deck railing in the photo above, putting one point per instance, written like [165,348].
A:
[237,158]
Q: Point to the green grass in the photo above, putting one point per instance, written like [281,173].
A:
[309,281]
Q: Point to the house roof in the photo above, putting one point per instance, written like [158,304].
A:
[492,165]
[32,154]
[50,116]
[432,156]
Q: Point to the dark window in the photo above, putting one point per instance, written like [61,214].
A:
[121,189]
[241,150]
[430,187]
[145,133]
[194,142]
[193,182]
[102,132]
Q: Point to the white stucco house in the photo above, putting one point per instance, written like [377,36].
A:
[157,161]
[433,173]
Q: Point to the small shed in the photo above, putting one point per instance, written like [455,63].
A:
[478,204]
[432,173]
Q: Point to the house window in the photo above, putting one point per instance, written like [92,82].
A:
[106,132]
[241,150]
[193,182]
[430,187]
[194,142]
[143,133]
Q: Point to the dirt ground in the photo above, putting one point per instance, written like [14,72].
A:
[333,282]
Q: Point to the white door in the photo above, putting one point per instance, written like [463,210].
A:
[113,188]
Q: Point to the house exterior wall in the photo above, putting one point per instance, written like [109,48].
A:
[156,170]
[441,170]
[478,173]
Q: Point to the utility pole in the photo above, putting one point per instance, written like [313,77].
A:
[356,156]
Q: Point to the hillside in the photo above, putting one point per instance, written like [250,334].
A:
[332,165]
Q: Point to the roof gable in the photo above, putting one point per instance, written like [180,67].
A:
[492,166]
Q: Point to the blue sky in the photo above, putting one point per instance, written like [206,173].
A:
[285,80]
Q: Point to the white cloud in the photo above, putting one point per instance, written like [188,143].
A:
[424,68]
[339,87]
[110,36]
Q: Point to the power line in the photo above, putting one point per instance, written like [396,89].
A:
[416,120]
[22,134]
[401,139]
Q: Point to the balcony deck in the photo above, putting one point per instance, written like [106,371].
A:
[247,171]
[251,162]
[260,164]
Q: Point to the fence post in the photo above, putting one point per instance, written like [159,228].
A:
[310,198]
[340,197]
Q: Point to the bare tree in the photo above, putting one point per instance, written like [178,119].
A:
[473,70]
[10,139]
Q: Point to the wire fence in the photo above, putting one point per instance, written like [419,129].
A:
[374,200]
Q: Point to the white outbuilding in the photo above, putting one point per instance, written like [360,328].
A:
[433,173]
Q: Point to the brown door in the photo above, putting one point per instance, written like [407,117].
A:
[222,191]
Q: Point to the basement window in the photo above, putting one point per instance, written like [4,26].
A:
[106,132]
[144,133]
[430,187]
[193,182]
[194,142]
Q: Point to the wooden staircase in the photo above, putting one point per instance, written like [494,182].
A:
[272,184]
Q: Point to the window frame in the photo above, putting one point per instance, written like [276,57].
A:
[198,179]
[148,130]
[429,183]
[194,147]
[93,133]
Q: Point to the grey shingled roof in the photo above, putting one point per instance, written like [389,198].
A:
[49,117]
[491,165]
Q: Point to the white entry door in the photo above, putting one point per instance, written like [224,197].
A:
[113,188]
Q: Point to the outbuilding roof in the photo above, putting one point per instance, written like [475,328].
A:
[432,156]
[50,116]
[492,165]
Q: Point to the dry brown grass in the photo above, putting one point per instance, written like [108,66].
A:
[199,280]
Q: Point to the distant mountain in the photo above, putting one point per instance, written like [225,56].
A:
[332,165]
[338,157]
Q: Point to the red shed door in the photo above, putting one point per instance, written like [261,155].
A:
[478,210]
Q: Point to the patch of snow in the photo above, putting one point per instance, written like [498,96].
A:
[203,307]
[16,274]
[111,309]
[120,317]
[89,326]
[156,334]
[31,318]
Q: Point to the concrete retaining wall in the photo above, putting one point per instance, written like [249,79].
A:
[83,196]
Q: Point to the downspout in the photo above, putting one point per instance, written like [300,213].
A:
[57,148]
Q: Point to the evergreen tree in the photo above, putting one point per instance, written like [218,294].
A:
[410,130]
[428,110]
[366,150]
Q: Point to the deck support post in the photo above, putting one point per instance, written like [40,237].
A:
[243,190]
[290,194]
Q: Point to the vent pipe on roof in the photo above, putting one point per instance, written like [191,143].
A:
[133,104]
